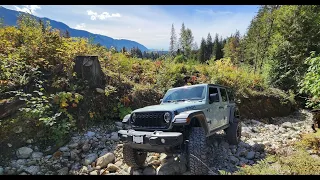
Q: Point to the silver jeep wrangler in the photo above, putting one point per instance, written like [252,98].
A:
[181,123]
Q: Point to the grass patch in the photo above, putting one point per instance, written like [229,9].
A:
[300,162]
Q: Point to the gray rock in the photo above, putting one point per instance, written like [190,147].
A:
[37,155]
[250,155]
[63,171]
[74,155]
[90,134]
[23,173]
[66,154]
[29,141]
[245,131]
[47,149]
[112,167]
[86,147]
[242,152]
[104,160]
[17,129]
[114,136]
[24,152]
[32,162]
[64,149]
[234,160]
[258,147]
[103,139]
[118,123]
[1,170]
[95,172]
[73,145]
[149,171]
[48,156]
[33,170]
[9,145]
[103,152]
[286,125]
[84,170]
[225,145]
[20,162]
[90,158]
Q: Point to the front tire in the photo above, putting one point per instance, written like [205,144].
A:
[197,151]
[132,157]
[233,132]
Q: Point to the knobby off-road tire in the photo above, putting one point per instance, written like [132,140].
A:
[233,132]
[197,152]
[132,157]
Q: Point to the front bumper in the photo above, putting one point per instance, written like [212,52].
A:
[151,139]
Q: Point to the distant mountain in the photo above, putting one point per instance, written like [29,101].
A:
[10,18]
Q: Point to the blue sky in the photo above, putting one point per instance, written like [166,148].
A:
[149,25]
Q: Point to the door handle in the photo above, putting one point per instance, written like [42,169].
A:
[220,107]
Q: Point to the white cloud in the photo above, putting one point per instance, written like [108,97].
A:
[154,21]
[139,30]
[80,26]
[102,16]
[28,8]
[212,12]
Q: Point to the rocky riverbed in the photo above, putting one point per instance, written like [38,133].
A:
[99,151]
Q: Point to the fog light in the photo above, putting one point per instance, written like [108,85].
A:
[163,141]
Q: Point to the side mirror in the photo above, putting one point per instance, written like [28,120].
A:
[161,101]
[213,98]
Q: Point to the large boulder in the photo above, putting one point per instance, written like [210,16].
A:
[24,152]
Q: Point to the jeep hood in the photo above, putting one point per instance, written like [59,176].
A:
[174,106]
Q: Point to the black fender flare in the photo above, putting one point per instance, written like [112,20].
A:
[194,118]
[234,114]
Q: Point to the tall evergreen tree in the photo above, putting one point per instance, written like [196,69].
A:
[173,41]
[188,42]
[182,39]
[202,51]
[209,47]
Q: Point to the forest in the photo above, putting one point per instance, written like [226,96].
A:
[278,56]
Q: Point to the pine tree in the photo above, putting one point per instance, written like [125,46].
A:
[209,47]
[123,50]
[67,34]
[182,39]
[173,41]
[217,48]
[202,51]
[189,42]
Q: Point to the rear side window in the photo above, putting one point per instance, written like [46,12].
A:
[230,95]
[224,95]
[213,90]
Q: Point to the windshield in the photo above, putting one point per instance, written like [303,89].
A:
[185,93]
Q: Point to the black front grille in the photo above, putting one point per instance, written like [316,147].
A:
[150,120]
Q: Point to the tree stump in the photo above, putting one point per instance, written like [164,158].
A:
[88,68]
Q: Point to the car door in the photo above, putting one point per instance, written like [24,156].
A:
[224,107]
[212,112]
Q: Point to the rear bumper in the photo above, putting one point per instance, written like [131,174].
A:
[151,140]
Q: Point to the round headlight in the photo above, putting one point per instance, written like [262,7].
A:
[167,117]
[133,117]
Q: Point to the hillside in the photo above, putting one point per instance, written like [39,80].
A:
[60,116]
[10,18]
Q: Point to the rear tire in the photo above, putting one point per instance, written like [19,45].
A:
[132,157]
[197,151]
[233,132]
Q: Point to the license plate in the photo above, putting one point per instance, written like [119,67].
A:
[138,139]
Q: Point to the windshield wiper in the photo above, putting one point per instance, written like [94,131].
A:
[195,99]
[169,101]
[182,100]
